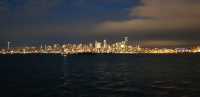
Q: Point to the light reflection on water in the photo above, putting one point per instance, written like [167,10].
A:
[100,76]
[132,76]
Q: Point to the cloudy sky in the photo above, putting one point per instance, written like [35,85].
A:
[154,22]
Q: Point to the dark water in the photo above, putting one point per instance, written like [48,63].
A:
[100,76]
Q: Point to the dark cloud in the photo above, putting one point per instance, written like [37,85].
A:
[40,7]
[160,15]
[4,8]
[148,20]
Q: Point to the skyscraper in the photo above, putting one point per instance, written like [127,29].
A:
[138,46]
[97,44]
[8,45]
[104,44]
[126,39]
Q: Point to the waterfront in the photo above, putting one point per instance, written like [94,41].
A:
[100,75]
[104,47]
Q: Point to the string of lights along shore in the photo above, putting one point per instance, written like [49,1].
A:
[96,47]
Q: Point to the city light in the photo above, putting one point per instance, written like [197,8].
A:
[96,47]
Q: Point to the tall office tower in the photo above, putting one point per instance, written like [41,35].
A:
[41,46]
[45,46]
[104,44]
[97,44]
[138,45]
[126,40]
[91,45]
[8,44]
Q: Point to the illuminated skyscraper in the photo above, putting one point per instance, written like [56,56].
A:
[97,44]
[91,45]
[41,46]
[8,44]
[138,45]
[45,46]
[125,39]
[126,43]
[104,44]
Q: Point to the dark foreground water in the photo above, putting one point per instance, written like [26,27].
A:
[100,75]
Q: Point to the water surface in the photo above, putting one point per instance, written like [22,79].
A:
[100,75]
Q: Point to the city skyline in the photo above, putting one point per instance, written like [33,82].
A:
[119,47]
[145,43]
[157,23]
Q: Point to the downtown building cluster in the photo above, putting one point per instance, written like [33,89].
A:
[96,47]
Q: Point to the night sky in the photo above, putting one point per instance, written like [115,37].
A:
[161,23]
